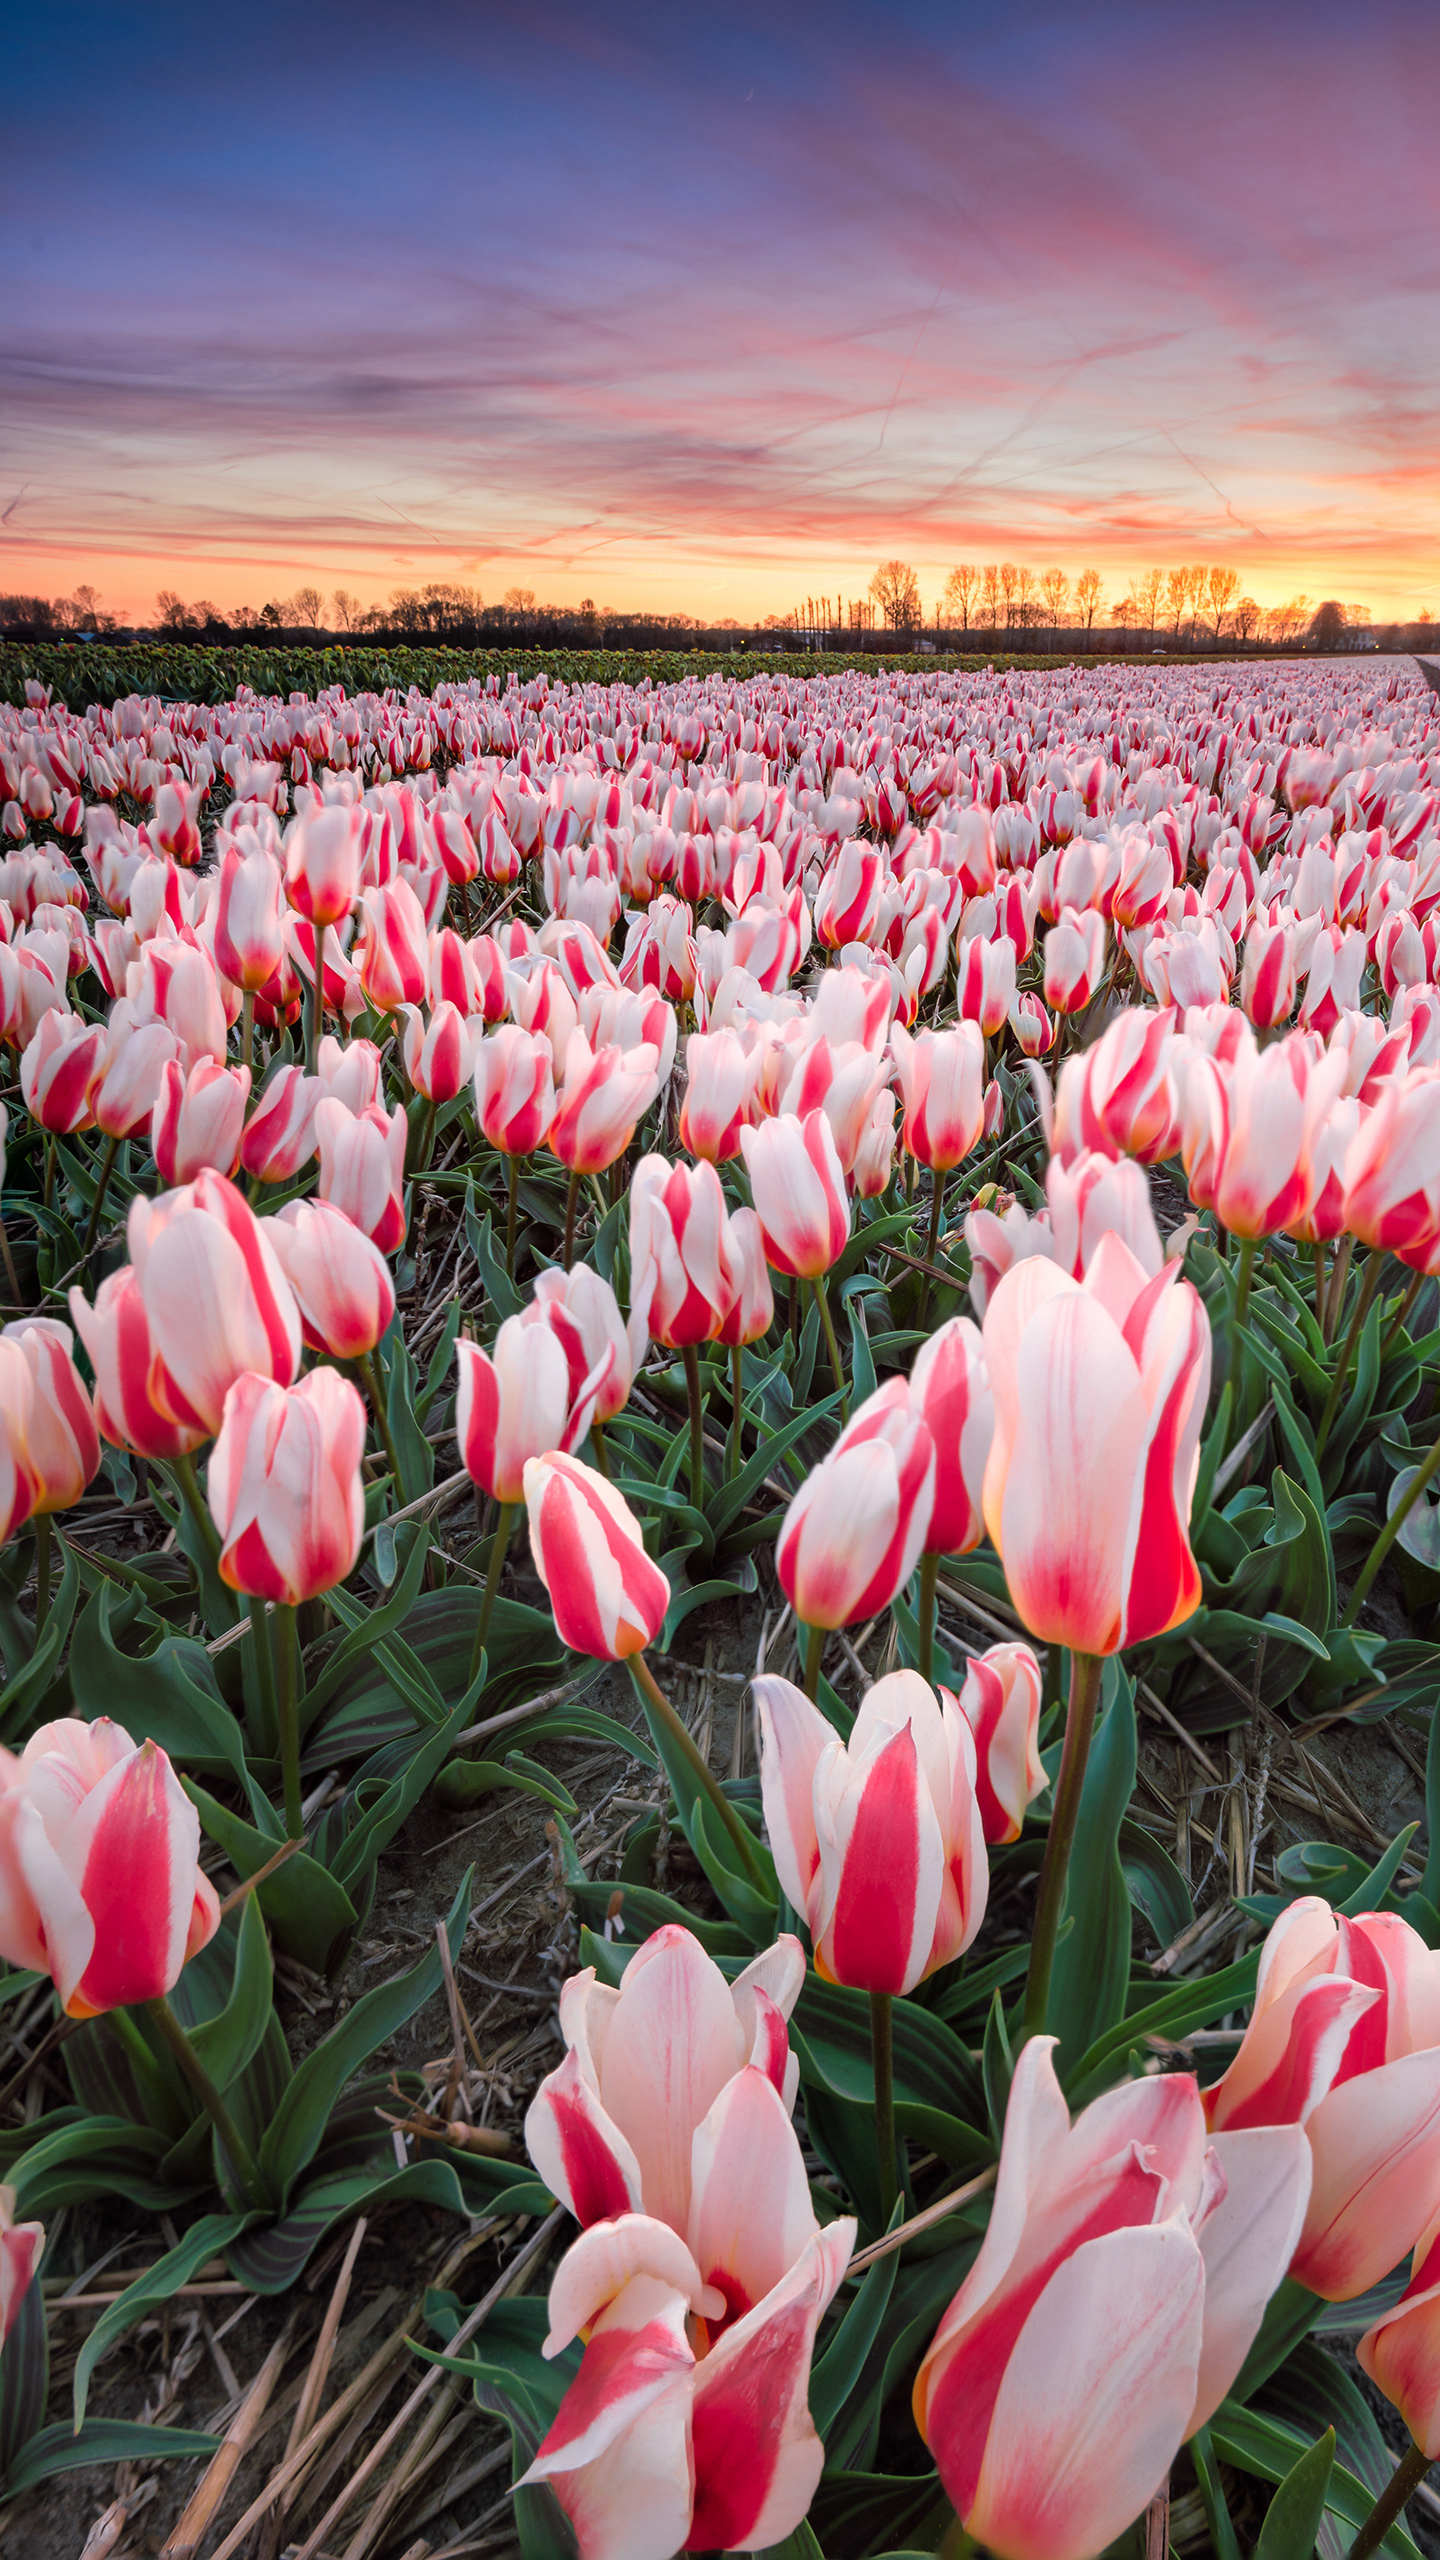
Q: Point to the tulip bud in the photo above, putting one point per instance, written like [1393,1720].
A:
[322,864]
[584,1313]
[362,1167]
[438,1053]
[942,1080]
[216,1302]
[249,918]
[514,1089]
[20,2246]
[279,1137]
[284,1486]
[878,1840]
[1401,2353]
[608,1598]
[799,1193]
[198,1119]
[855,1531]
[59,1071]
[62,1446]
[600,1101]
[340,1280]
[1000,1701]
[518,1403]
[100,1882]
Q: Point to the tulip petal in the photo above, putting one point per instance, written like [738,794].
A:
[794,1736]
[757,2456]
[1095,2397]
[1082,1424]
[597,2267]
[672,2042]
[582,2156]
[1376,2141]
[1247,2241]
[133,1846]
[750,2208]
[618,2455]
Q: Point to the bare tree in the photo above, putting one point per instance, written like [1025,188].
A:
[1177,596]
[1089,588]
[347,609]
[896,590]
[1024,597]
[1220,586]
[962,590]
[1245,616]
[990,594]
[308,605]
[1145,594]
[1055,593]
[1125,612]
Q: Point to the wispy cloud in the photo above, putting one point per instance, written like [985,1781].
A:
[718,321]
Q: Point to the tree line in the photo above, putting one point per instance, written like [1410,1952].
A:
[1192,608]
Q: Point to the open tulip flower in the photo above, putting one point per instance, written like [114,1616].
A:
[100,1882]
[613,2129]
[1123,2276]
[1345,2041]
[687,2426]
[1099,1389]
[519,1401]
[878,1840]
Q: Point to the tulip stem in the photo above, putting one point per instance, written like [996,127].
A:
[264,1673]
[426,1141]
[42,1571]
[737,1409]
[828,1323]
[247,1028]
[695,1394]
[929,1574]
[1322,1286]
[102,1184]
[814,1656]
[512,1212]
[937,1204]
[370,1374]
[11,1274]
[1242,1279]
[287,1717]
[48,1194]
[1340,1272]
[1402,1313]
[1044,1937]
[572,1194]
[499,1547]
[1393,2499]
[232,2142]
[183,1470]
[1366,1300]
[1390,1533]
[660,1712]
[882,2064]
[317,1001]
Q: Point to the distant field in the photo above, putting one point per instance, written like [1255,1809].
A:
[79,674]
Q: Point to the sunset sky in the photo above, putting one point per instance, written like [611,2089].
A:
[707,309]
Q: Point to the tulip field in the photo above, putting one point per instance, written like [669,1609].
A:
[720,1616]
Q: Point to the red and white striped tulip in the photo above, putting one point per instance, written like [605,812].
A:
[1344,2040]
[1099,1389]
[249,912]
[392,947]
[279,1137]
[612,2129]
[602,1096]
[1000,1701]
[985,983]
[439,1053]
[19,1478]
[583,1311]
[61,1443]
[60,1067]
[798,1187]
[116,1335]
[950,1390]
[854,1533]
[198,1119]
[720,1075]
[322,863]
[514,1088]
[1118,1096]
[942,1085]
[216,1303]
[284,1486]
[1392,1170]
[683,1274]
[1269,976]
[1074,959]
[877,1840]
[1121,2281]
[100,1882]
[362,1167]
[518,1402]
[1089,1196]
[21,2244]
[608,1598]
[136,1055]
[1401,2352]
[340,1281]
